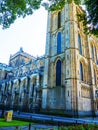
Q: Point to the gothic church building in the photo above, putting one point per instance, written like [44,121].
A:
[64,80]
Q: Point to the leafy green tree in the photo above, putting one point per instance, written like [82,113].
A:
[10,10]
[92,16]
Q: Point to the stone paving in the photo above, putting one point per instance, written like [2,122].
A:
[33,127]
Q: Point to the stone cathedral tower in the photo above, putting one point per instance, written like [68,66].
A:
[64,80]
[66,85]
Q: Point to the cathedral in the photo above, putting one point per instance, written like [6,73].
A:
[64,80]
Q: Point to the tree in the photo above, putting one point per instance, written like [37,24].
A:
[90,18]
[10,10]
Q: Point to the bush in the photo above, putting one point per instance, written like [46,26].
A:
[84,127]
[80,127]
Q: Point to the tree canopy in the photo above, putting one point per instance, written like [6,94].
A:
[10,10]
[92,16]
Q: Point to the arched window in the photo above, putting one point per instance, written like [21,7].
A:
[59,43]
[58,73]
[79,44]
[81,71]
[59,19]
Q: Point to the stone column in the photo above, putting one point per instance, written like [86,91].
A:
[13,94]
[38,93]
[26,95]
[37,82]
[45,83]
[9,93]
[26,82]
[20,94]
[31,85]
[48,37]
[30,91]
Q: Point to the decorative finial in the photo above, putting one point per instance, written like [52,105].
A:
[21,49]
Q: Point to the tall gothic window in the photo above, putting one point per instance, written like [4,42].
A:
[59,43]
[79,44]
[58,73]
[81,71]
[59,19]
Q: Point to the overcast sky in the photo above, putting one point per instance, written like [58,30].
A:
[29,33]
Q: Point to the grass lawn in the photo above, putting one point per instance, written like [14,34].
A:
[4,123]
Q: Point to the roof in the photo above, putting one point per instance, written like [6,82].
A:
[5,67]
[21,52]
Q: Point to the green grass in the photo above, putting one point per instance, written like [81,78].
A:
[4,123]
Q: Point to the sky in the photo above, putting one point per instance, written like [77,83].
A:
[28,33]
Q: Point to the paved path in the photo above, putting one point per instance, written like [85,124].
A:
[33,127]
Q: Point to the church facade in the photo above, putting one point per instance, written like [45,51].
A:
[65,79]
